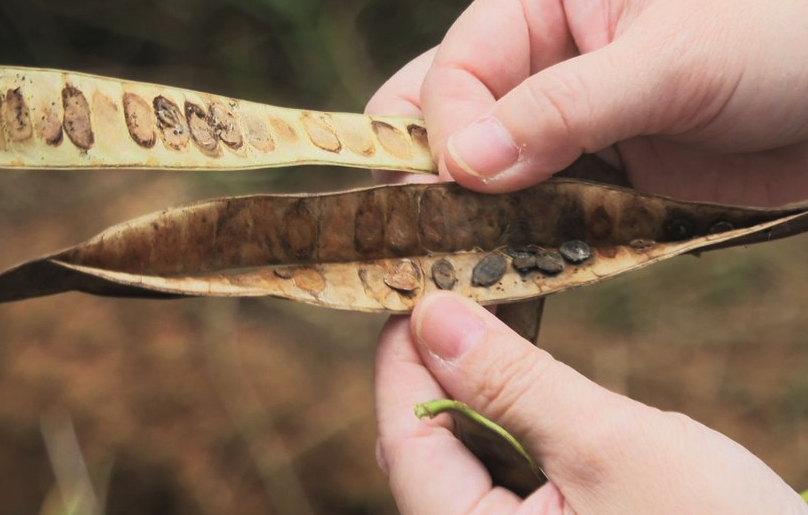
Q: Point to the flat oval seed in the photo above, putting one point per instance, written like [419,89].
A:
[523,261]
[443,273]
[575,251]
[549,262]
[489,270]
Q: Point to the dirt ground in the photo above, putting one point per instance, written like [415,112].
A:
[263,406]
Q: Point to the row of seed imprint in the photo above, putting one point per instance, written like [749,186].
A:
[20,124]
[218,123]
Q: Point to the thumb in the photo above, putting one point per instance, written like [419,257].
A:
[478,360]
[580,105]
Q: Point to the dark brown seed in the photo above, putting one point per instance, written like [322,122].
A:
[77,123]
[523,261]
[201,130]
[721,226]
[405,277]
[17,117]
[443,273]
[575,251]
[489,270]
[171,123]
[679,229]
[139,120]
[549,262]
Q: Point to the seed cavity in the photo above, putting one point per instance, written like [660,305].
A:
[48,125]
[405,276]
[575,251]
[225,126]
[77,123]
[16,116]
[201,130]
[355,135]
[173,129]
[320,131]
[393,141]
[309,279]
[443,273]
[418,135]
[489,270]
[299,231]
[139,120]
[283,130]
[258,134]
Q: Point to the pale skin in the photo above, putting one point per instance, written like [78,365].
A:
[693,99]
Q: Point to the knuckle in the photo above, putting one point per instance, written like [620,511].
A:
[561,98]
[508,385]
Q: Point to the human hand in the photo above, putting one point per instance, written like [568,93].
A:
[603,453]
[697,100]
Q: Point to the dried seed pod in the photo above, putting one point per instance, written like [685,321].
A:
[575,251]
[549,262]
[489,270]
[123,124]
[443,273]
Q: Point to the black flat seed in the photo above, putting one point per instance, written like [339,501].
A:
[443,273]
[522,260]
[721,226]
[575,251]
[489,270]
[679,229]
[524,263]
[549,262]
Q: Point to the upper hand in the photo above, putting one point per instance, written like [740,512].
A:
[698,100]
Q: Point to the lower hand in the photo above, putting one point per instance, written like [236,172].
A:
[603,453]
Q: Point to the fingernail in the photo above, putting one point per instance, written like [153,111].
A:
[448,325]
[484,148]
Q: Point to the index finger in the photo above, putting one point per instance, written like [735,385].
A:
[493,47]
[430,471]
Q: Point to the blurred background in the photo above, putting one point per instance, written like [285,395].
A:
[263,406]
